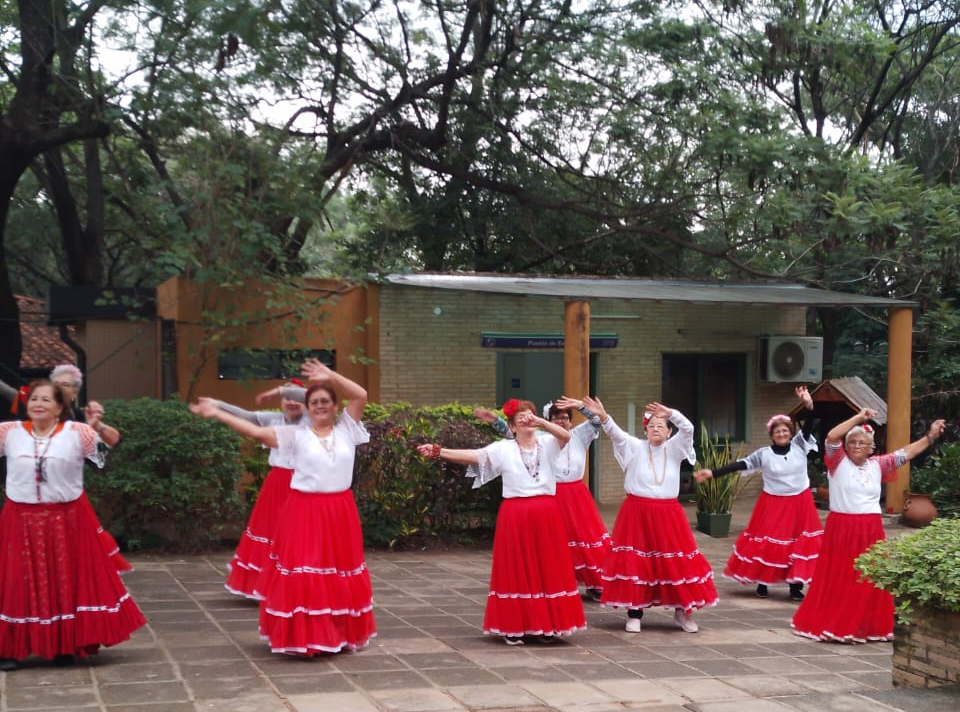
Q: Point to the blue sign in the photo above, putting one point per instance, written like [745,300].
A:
[541,341]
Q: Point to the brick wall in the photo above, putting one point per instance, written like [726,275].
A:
[926,653]
[431,353]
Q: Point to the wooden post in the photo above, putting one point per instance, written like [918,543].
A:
[576,355]
[899,366]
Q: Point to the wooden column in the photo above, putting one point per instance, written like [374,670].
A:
[899,367]
[576,355]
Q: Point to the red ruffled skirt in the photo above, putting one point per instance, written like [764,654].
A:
[533,590]
[109,544]
[654,560]
[60,594]
[315,594]
[781,542]
[839,606]
[587,535]
[253,550]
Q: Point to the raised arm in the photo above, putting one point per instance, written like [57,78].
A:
[839,431]
[356,394]
[93,414]
[432,451]
[930,437]
[209,408]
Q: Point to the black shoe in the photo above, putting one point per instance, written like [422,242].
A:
[513,640]
[594,594]
[64,660]
[761,590]
[796,592]
[7,664]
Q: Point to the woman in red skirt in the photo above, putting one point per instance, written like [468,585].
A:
[840,606]
[782,540]
[253,551]
[533,591]
[315,594]
[654,560]
[587,535]
[60,595]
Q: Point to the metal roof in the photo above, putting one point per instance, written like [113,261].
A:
[655,290]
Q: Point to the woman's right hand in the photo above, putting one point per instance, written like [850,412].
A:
[205,407]
[702,475]
[595,406]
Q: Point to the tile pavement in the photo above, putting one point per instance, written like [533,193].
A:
[201,651]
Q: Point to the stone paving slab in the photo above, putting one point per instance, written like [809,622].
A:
[201,652]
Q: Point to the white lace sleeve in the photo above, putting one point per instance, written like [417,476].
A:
[487,467]
[356,430]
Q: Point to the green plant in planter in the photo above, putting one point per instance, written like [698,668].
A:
[939,477]
[717,494]
[919,569]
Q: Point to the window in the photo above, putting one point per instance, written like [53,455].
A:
[263,364]
[709,389]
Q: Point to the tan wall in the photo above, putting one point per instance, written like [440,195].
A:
[335,320]
[122,358]
[429,358]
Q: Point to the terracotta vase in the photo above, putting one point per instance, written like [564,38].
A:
[918,511]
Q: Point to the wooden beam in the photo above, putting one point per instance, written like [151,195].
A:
[899,367]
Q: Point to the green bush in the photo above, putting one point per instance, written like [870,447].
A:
[939,477]
[173,480]
[405,500]
[919,569]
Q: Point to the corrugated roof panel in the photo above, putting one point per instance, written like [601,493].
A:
[644,290]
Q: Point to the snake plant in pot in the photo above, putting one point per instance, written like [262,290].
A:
[716,495]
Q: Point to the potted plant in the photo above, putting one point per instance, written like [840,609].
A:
[920,570]
[716,495]
[819,481]
[936,480]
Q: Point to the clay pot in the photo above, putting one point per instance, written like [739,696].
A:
[918,511]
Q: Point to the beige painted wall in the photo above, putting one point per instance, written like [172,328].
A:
[429,358]
[122,358]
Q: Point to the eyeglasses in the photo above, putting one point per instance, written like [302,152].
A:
[321,401]
[64,384]
[561,416]
[859,443]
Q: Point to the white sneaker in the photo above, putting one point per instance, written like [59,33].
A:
[685,621]
[633,625]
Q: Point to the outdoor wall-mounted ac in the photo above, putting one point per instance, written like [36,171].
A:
[791,358]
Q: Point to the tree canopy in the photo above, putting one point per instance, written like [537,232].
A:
[811,142]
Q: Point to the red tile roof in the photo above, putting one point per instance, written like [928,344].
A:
[42,347]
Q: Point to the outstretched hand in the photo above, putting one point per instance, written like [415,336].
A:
[565,403]
[485,414]
[702,475]
[594,405]
[658,410]
[804,395]
[204,407]
[866,414]
[315,370]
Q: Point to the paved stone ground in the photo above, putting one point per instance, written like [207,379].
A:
[201,651]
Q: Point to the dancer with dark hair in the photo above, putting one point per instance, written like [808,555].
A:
[533,590]
[316,596]
[782,540]
[60,596]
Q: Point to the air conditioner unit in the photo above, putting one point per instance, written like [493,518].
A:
[791,358]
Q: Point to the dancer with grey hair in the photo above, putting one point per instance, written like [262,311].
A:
[840,606]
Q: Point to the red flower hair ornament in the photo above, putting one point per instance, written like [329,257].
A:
[511,407]
[296,382]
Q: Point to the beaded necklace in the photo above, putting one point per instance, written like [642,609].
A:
[657,480]
[328,443]
[529,460]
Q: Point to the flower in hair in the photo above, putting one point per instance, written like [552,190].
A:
[646,418]
[775,419]
[867,428]
[296,382]
[511,407]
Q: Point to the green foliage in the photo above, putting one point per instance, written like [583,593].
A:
[716,495]
[173,480]
[919,569]
[939,477]
[405,500]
